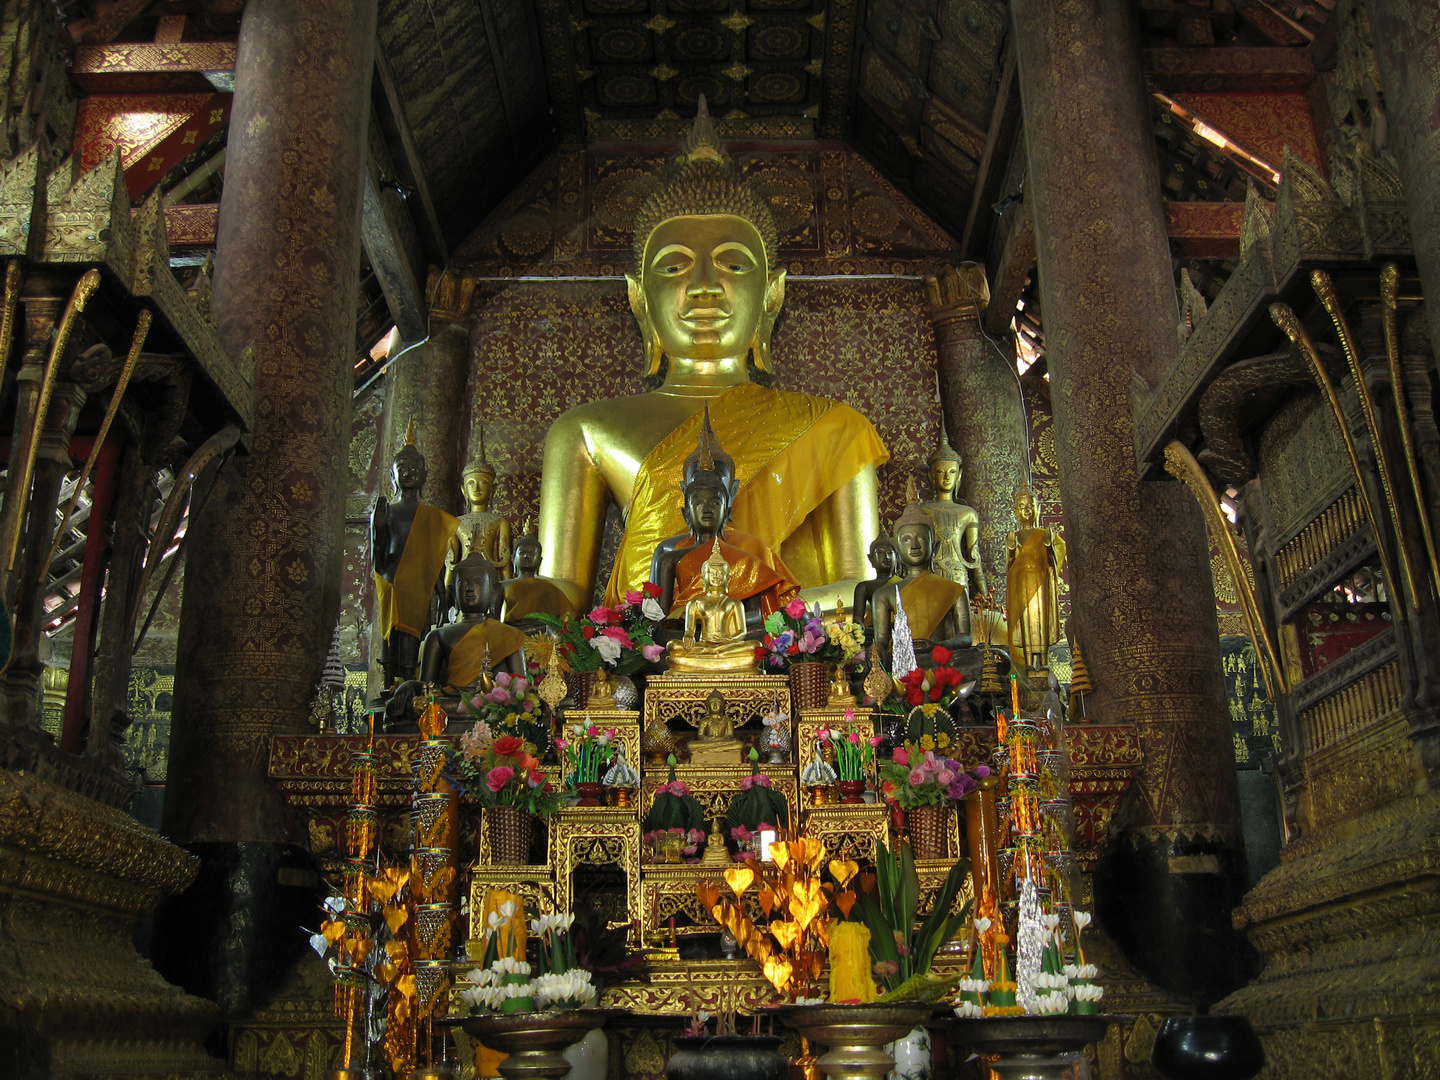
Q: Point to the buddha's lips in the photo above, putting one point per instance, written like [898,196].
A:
[706,316]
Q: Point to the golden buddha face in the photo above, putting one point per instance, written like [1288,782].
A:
[1025,509]
[716,576]
[478,486]
[945,477]
[913,543]
[704,291]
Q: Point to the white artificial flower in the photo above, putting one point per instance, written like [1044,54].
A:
[607,647]
[1081,971]
[969,1008]
[982,924]
[651,609]
[508,965]
[1087,992]
[481,977]
[1051,921]
[566,990]
[1050,1004]
[974,986]
[507,909]
[1082,920]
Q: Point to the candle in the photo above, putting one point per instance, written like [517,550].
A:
[1015,694]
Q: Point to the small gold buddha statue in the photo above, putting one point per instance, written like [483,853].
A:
[527,593]
[957,526]
[409,540]
[715,743]
[714,639]
[706,292]
[479,525]
[936,608]
[1032,585]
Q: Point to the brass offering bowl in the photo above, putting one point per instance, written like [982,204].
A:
[854,1034]
[535,1040]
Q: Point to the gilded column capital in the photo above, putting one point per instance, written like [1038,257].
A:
[452,295]
[958,293]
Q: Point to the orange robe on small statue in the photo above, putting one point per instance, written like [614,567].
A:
[756,569]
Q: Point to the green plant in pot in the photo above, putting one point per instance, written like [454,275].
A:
[757,807]
[888,903]
[675,826]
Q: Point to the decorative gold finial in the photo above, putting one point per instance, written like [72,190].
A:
[477,463]
[912,490]
[529,529]
[702,144]
[410,433]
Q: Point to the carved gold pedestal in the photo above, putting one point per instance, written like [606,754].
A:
[849,831]
[595,836]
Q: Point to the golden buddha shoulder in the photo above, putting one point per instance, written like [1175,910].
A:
[706,293]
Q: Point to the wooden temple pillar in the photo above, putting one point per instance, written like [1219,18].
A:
[427,384]
[1143,606]
[263,572]
[983,408]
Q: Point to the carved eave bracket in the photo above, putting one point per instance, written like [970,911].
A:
[1309,225]
[69,218]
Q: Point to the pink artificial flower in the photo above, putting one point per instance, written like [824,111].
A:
[618,633]
[916,778]
[652,652]
[518,686]
[634,596]
[592,731]
[499,777]
[561,744]
[854,738]
[900,756]
[796,608]
[601,615]
[874,741]
[500,696]
[503,678]
[536,779]
[849,716]
[945,778]
[823,734]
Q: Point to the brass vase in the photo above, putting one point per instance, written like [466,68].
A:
[510,829]
[1030,1047]
[535,1040]
[855,1035]
[810,684]
[927,831]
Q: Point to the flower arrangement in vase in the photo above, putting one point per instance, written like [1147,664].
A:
[674,829]
[756,808]
[503,771]
[853,746]
[620,638]
[792,635]
[584,754]
[511,707]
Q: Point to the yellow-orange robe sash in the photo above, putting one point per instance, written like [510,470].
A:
[405,604]
[755,570]
[928,598]
[791,451]
[467,654]
[536,596]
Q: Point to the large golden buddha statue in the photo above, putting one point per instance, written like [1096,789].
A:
[706,293]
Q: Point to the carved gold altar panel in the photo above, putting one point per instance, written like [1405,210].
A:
[595,836]
[932,874]
[668,892]
[849,831]
[681,698]
[675,987]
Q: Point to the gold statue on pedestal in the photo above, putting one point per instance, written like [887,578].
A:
[714,640]
[706,293]
[479,525]
[957,526]
[716,743]
[1032,585]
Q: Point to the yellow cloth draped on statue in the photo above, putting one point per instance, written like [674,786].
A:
[755,570]
[1032,608]
[467,654]
[928,598]
[405,604]
[791,451]
[536,596]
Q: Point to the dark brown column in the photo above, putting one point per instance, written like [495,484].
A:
[263,570]
[427,385]
[1406,36]
[1140,575]
[984,412]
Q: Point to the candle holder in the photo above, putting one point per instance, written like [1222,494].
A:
[1030,1047]
[854,1034]
[535,1040]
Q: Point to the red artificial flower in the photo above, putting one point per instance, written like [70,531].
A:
[915,696]
[587,632]
[601,615]
[937,692]
[618,634]
[499,777]
[941,654]
[634,596]
[508,745]
[652,590]
[536,779]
